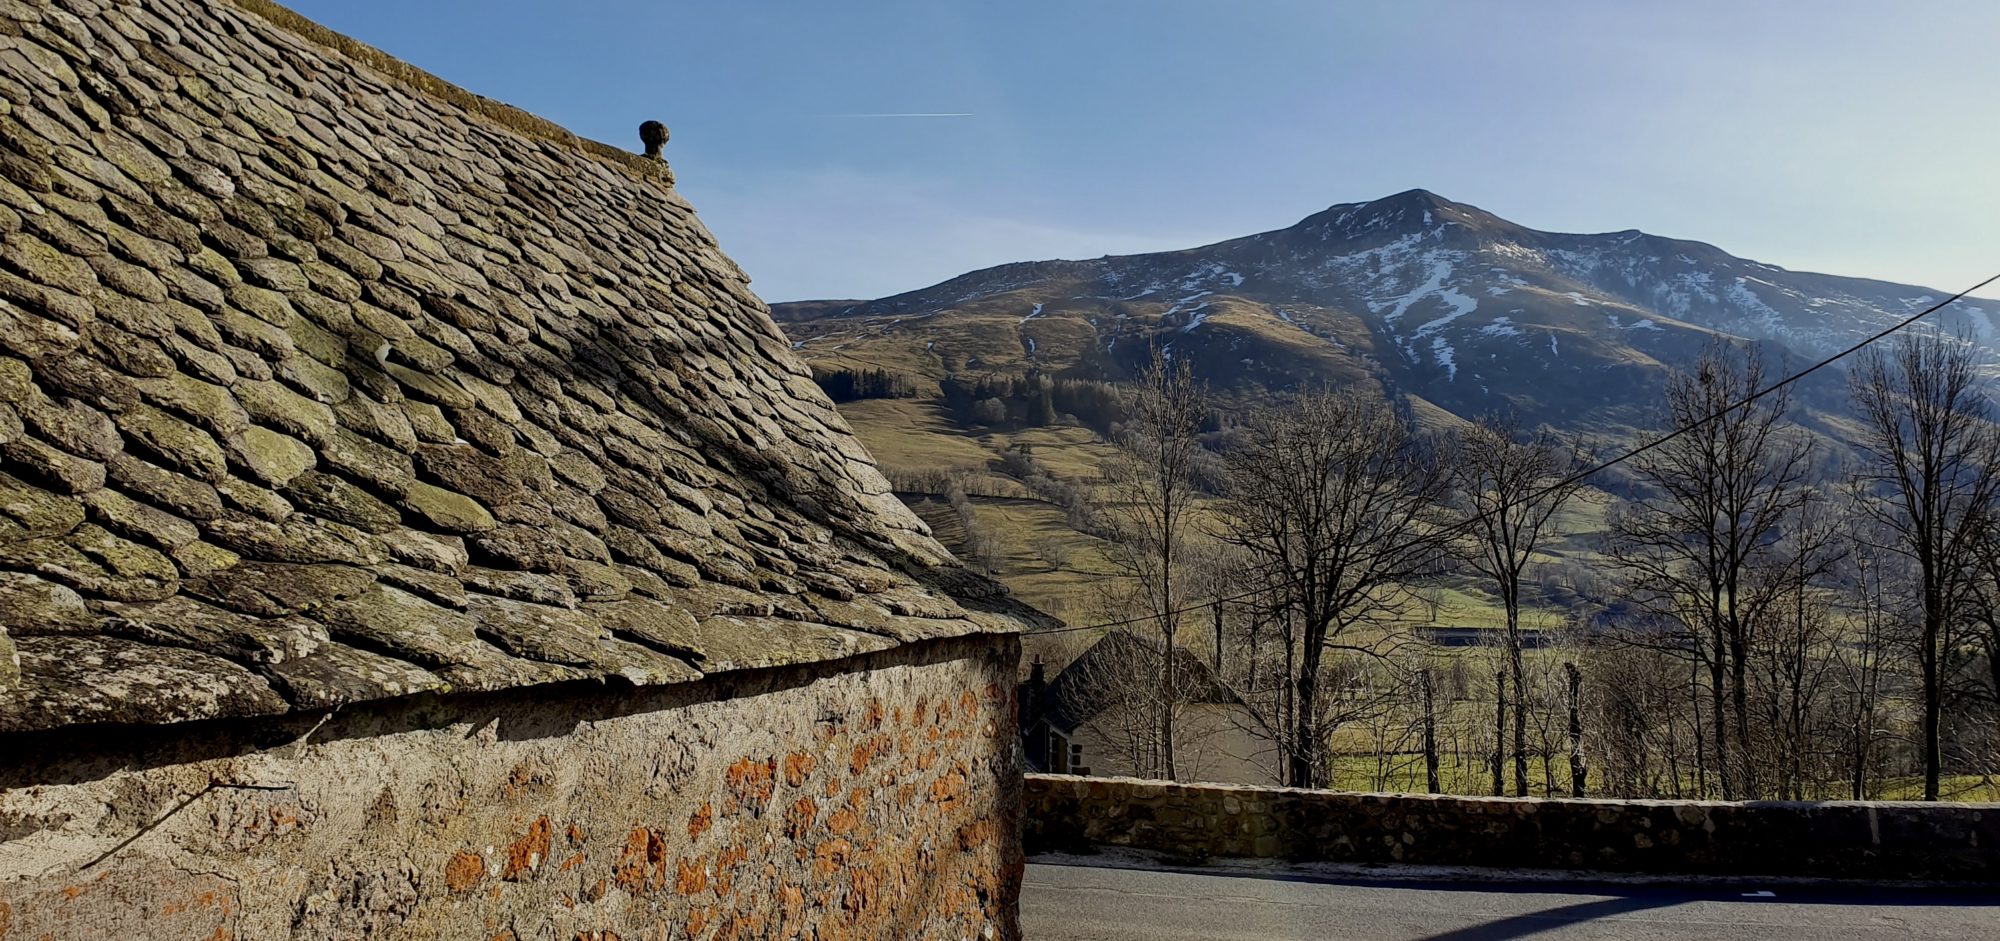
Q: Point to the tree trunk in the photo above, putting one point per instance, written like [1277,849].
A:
[1864,740]
[1747,779]
[1218,638]
[1169,627]
[1700,736]
[1577,771]
[1305,751]
[1993,658]
[1520,671]
[1499,733]
[1718,685]
[1167,698]
[1430,735]
[1933,709]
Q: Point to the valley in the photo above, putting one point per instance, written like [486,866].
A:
[1446,309]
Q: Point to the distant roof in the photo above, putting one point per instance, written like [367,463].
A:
[1080,692]
[324,381]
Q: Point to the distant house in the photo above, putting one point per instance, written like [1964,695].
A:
[412,526]
[1532,638]
[1100,714]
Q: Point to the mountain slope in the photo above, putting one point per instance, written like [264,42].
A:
[1435,300]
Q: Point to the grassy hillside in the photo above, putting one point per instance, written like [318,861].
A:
[917,434]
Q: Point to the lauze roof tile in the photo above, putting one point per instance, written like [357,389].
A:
[324,381]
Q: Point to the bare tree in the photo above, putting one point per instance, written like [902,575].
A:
[1986,615]
[1930,457]
[1641,721]
[1729,484]
[1862,661]
[1578,771]
[1154,480]
[1053,551]
[1429,692]
[1795,655]
[1500,731]
[1335,503]
[1510,486]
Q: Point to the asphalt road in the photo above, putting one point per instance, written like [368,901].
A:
[1096,903]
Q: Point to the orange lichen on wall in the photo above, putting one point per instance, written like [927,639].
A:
[798,767]
[751,781]
[530,851]
[464,871]
[642,866]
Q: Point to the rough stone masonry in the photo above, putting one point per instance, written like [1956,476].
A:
[869,800]
[1880,840]
[412,526]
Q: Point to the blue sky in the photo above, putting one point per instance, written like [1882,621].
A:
[1852,138]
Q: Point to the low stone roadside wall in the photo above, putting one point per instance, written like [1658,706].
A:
[1850,840]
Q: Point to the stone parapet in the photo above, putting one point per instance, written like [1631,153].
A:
[1835,839]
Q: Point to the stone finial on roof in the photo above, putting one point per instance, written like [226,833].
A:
[654,135]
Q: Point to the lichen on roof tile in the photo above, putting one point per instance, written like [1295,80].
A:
[322,381]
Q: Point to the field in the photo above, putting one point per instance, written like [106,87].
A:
[915,434]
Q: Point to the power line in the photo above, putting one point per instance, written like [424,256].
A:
[1579,475]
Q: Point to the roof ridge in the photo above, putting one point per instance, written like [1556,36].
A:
[515,119]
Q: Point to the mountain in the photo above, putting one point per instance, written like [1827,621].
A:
[1438,301]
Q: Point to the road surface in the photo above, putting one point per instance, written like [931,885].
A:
[1101,903]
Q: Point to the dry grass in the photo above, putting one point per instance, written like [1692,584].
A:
[917,434]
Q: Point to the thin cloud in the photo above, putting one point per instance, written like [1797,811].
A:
[904,114]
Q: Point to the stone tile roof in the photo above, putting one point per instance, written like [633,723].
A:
[323,381]
[1083,690]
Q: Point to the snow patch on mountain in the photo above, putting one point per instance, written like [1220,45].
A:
[1678,294]
[1211,273]
[1442,353]
[1739,293]
[1440,263]
[1459,305]
[1183,303]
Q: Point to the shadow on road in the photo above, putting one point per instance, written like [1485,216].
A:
[1528,923]
[1635,894]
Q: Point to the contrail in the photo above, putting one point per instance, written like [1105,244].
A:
[907,114]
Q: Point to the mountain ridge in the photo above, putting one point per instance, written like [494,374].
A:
[1439,300]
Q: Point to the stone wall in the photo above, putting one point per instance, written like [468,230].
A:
[876,797]
[1881,840]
